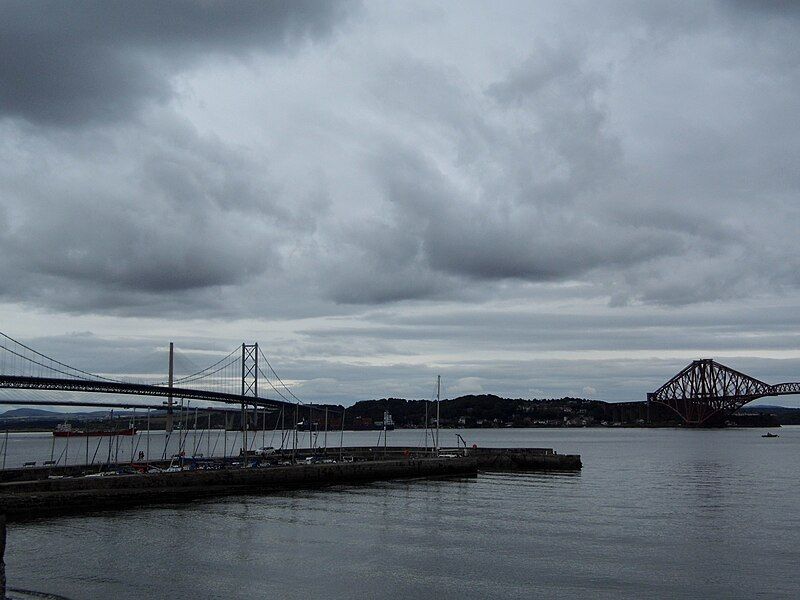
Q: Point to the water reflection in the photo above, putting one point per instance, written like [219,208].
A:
[660,514]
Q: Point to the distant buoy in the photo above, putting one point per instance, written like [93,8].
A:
[474,445]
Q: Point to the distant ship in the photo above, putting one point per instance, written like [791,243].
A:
[66,430]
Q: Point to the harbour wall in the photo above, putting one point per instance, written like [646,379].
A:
[54,497]
[500,459]
[532,459]
[53,491]
[524,459]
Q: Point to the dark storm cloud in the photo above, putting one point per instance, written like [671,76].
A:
[69,63]
[140,215]
[457,189]
[528,187]
[388,266]
[541,176]
[531,176]
[163,218]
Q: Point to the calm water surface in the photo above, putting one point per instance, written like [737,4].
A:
[654,513]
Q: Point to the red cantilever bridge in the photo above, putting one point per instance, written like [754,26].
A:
[706,390]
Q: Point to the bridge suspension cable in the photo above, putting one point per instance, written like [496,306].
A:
[203,372]
[52,360]
[286,387]
[276,390]
[291,393]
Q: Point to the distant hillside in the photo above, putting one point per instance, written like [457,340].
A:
[34,419]
[485,410]
[28,412]
[784,415]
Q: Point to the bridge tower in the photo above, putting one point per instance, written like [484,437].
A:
[249,385]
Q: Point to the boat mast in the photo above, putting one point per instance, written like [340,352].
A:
[426,426]
[133,428]
[438,390]
[341,436]
[169,397]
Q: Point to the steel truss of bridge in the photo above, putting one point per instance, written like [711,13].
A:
[706,390]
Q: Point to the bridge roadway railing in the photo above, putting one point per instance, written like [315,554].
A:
[138,389]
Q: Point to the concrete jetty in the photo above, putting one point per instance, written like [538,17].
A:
[49,497]
[497,459]
[31,493]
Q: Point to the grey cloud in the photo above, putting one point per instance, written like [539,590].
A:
[778,8]
[531,181]
[377,264]
[131,355]
[69,63]
[776,318]
[530,210]
[492,330]
[413,191]
[528,178]
[173,227]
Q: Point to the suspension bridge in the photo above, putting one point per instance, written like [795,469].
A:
[705,391]
[233,379]
[237,378]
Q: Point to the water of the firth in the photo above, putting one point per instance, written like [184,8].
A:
[654,514]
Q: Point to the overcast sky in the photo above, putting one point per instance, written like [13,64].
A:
[534,199]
